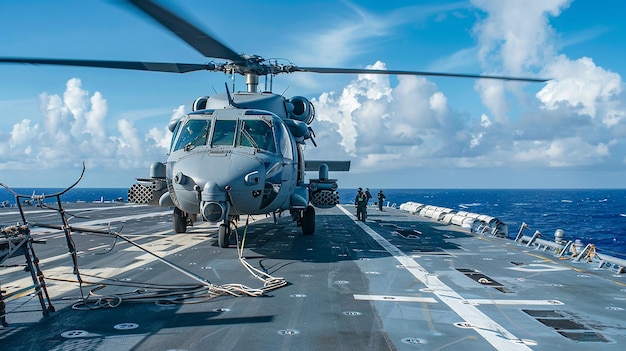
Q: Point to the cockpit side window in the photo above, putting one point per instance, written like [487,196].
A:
[257,133]
[174,136]
[193,133]
[284,141]
[224,132]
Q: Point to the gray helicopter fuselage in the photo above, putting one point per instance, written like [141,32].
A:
[240,154]
[231,161]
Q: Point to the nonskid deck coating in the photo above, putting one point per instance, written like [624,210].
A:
[397,282]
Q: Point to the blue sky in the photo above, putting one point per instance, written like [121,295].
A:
[399,132]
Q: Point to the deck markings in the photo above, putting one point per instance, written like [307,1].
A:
[495,334]
[513,302]
[394,298]
[539,267]
[62,279]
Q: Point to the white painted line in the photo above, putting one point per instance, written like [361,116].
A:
[495,334]
[28,212]
[99,247]
[539,267]
[394,298]
[104,221]
[513,302]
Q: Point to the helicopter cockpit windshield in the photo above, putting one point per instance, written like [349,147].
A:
[194,133]
[257,133]
[254,132]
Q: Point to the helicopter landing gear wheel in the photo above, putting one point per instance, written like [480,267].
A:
[308,221]
[223,235]
[179,220]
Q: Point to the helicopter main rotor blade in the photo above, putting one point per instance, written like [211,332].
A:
[412,73]
[199,40]
[131,65]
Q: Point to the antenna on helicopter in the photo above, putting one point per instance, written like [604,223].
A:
[231,102]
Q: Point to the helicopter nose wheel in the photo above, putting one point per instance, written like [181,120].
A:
[223,235]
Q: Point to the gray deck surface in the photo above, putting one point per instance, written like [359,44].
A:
[398,282]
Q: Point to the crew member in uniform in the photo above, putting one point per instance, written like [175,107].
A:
[361,205]
[369,196]
[381,198]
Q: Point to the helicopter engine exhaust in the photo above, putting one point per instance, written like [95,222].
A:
[303,109]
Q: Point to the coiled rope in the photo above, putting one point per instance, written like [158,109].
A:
[164,295]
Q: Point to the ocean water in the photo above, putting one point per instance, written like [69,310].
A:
[596,216]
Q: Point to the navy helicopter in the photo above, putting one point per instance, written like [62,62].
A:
[240,153]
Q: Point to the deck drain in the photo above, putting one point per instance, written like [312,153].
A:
[288,332]
[299,296]
[463,325]
[126,326]
[372,273]
[74,334]
[220,310]
[205,267]
[352,313]
[341,282]
[614,308]
[426,290]
[413,341]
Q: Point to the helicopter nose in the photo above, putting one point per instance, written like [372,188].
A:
[214,205]
[213,211]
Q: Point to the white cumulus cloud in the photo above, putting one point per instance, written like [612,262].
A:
[73,129]
[575,119]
